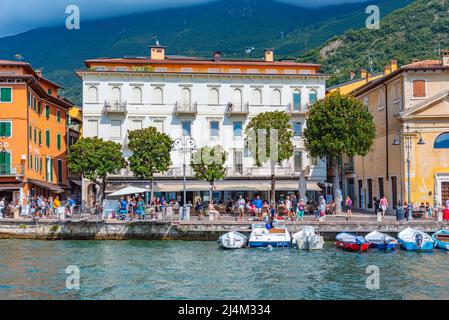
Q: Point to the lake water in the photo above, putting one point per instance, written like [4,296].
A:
[200,270]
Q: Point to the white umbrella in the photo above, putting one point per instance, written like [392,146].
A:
[127,191]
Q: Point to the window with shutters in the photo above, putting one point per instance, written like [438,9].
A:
[276,97]
[59,171]
[159,125]
[136,124]
[116,95]
[419,89]
[237,98]
[297,129]
[116,128]
[40,137]
[237,128]
[58,115]
[257,97]
[296,100]
[214,96]
[36,164]
[158,96]
[30,133]
[47,138]
[381,99]
[298,161]
[5,163]
[92,95]
[35,135]
[136,95]
[5,95]
[39,108]
[58,141]
[5,129]
[214,129]
[47,111]
[312,96]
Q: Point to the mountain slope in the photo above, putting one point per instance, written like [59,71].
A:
[414,32]
[226,25]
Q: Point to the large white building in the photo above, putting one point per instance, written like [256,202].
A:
[210,100]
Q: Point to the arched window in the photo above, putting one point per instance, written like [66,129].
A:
[237,97]
[92,94]
[442,141]
[136,95]
[185,97]
[158,96]
[312,96]
[214,96]
[276,97]
[296,100]
[257,97]
[116,96]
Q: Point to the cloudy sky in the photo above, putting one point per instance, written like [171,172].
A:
[23,15]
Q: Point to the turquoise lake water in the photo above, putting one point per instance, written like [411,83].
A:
[200,270]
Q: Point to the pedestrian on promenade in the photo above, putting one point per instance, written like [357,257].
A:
[383,204]
[288,207]
[301,207]
[429,211]
[322,209]
[213,211]
[258,204]
[241,207]
[348,203]
[2,207]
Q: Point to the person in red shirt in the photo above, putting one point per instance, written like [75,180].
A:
[446,214]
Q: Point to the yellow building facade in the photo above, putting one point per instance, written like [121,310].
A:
[410,107]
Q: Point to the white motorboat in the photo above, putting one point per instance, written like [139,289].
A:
[415,240]
[232,240]
[308,239]
[264,235]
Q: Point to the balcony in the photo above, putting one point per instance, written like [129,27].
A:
[75,127]
[237,109]
[348,167]
[186,109]
[6,170]
[297,110]
[114,108]
[264,171]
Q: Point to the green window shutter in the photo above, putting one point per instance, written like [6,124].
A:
[40,137]
[31,133]
[58,116]
[2,129]
[7,162]
[30,164]
[47,111]
[47,138]
[40,165]
[34,103]
[58,141]
[5,95]
[39,108]
[35,135]
[7,129]
[51,170]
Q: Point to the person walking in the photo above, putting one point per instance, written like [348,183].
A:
[2,207]
[383,203]
[241,207]
[348,203]
[301,207]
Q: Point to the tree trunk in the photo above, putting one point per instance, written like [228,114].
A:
[273,184]
[151,189]
[101,192]
[336,183]
[210,190]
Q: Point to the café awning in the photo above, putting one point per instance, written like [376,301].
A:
[294,186]
[47,185]
[10,186]
[127,191]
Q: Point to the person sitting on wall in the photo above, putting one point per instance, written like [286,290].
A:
[213,211]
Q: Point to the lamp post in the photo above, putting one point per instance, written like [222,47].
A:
[408,137]
[184,145]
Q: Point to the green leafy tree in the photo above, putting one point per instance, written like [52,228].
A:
[269,137]
[94,159]
[208,165]
[339,125]
[150,153]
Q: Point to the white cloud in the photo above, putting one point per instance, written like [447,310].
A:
[22,15]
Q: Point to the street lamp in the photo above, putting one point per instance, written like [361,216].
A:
[408,139]
[184,145]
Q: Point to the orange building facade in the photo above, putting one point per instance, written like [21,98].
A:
[33,134]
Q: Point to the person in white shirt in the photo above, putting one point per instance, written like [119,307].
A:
[241,205]
[2,207]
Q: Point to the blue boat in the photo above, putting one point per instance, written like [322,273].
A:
[441,239]
[266,235]
[415,240]
[381,241]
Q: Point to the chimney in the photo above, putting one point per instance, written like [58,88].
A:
[217,56]
[157,52]
[393,65]
[445,58]
[269,55]
[387,69]
[363,74]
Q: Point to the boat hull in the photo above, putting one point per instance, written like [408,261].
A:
[264,244]
[384,246]
[441,239]
[441,245]
[232,240]
[354,247]
[411,246]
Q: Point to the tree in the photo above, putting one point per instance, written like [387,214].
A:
[269,137]
[208,165]
[339,125]
[150,153]
[94,159]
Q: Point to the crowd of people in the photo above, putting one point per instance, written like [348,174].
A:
[37,206]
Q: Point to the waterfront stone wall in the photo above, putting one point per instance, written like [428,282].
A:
[174,230]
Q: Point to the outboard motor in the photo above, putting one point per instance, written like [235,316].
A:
[418,240]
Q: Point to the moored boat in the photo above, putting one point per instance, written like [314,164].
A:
[415,240]
[441,239]
[381,241]
[351,242]
[308,239]
[264,235]
[232,240]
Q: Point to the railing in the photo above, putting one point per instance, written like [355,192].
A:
[8,170]
[240,170]
[75,127]
[237,109]
[297,109]
[186,108]
[114,107]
